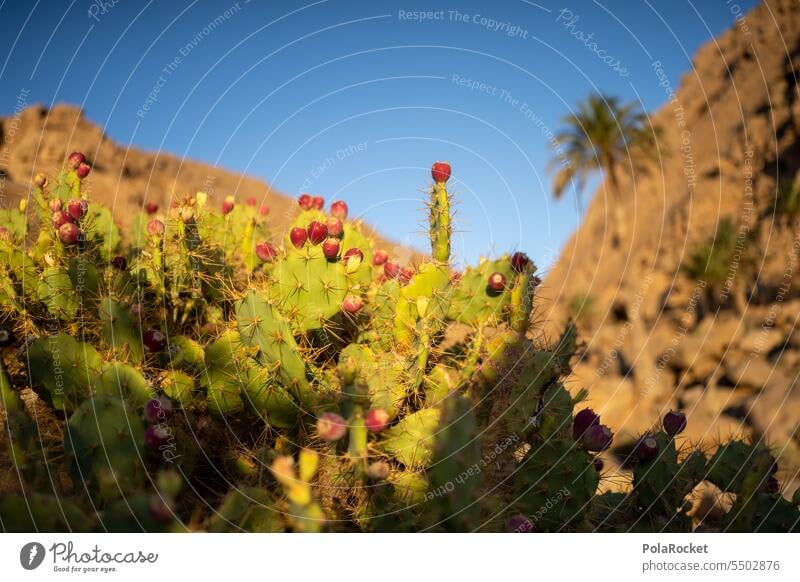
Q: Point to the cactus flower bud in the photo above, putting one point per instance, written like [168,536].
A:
[376,420]
[519,262]
[266,252]
[339,209]
[155,227]
[298,236]
[674,422]
[227,205]
[331,426]
[440,172]
[646,448]
[353,259]
[317,232]
[582,421]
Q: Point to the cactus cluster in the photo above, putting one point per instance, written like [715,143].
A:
[309,382]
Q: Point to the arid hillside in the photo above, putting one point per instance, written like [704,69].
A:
[720,340]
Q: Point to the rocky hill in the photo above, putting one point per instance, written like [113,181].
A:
[37,139]
[723,345]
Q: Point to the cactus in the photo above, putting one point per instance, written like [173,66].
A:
[308,384]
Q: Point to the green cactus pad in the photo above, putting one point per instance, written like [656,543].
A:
[410,441]
[473,303]
[119,332]
[124,381]
[248,509]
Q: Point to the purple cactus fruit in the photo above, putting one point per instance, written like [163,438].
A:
[154,340]
[69,233]
[497,282]
[120,263]
[298,236]
[317,232]
[155,227]
[391,269]
[157,435]
[519,524]
[674,422]
[60,218]
[335,227]
[339,209]
[158,409]
[151,208]
[266,252]
[646,448]
[376,420]
[379,257]
[77,208]
[83,170]
[352,304]
[75,159]
[598,464]
[317,203]
[331,426]
[304,201]
[583,420]
[597,438]
[40,180]
[56,205]
[330,248]
[519,262]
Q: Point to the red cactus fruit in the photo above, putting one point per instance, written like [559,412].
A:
[75,159]
[582,421]
[331,426]
[56,205]
[440,172]
[379,257]
[156,435]
[497,281]
[317,203]
[405,276]
[455,276]
[391,269]
[317,232]
[304,200]
[519,262]
[646,448]
[339,209]
[69,233]
[376,420]
[77,208]
[227,204]
[40,180]
[60,217]
[5,234]
[354,254]
[352,304]
[330,248]
[83,170]
[154,340]
[151,208]
[298,236]
[597,438]
[264,210]
[158,409]
[674,422]
[251,201]
[266,252]
[155,227]
[120,263]
[335,227]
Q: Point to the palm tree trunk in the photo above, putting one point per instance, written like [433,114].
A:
[614,199]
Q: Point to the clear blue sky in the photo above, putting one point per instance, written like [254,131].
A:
[356,99]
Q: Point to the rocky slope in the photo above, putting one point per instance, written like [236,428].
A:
[37,139]
[654,338]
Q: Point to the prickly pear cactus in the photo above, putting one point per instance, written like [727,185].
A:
[308,384]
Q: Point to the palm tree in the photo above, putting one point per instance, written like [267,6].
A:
[602,136]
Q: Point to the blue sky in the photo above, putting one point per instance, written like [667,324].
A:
[356,99]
